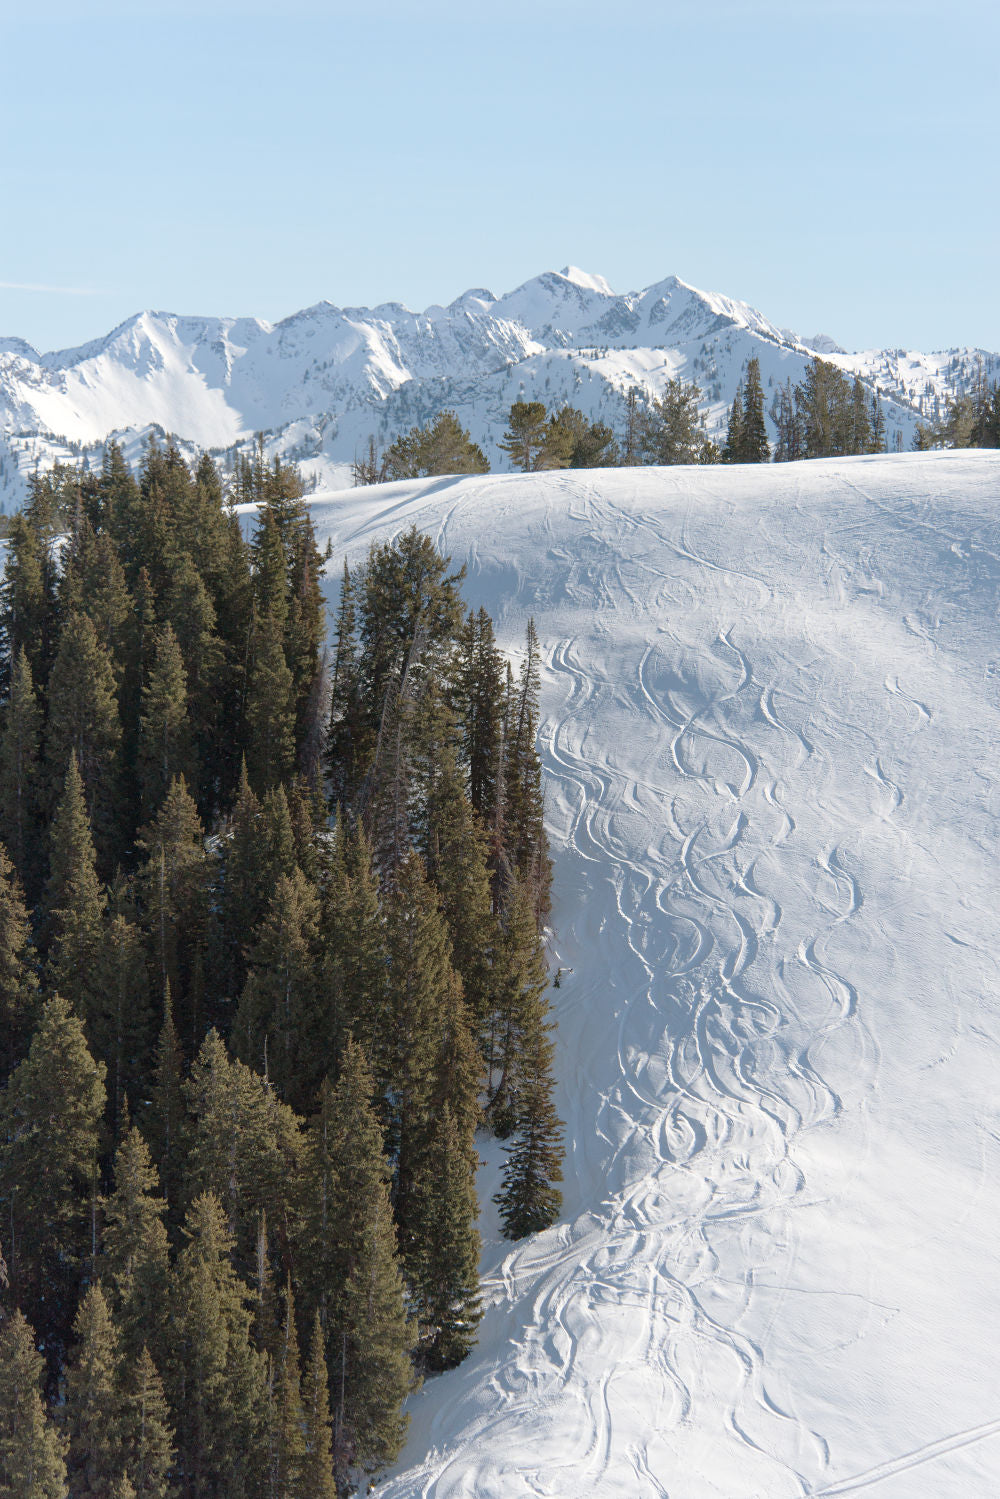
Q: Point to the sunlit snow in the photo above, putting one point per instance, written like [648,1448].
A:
[771,740]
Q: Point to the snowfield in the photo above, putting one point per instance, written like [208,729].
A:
[771,737]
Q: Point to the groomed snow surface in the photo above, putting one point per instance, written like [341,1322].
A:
[771,740]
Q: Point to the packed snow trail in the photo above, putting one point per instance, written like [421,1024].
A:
[771,719]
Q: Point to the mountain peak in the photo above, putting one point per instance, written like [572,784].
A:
[586,280]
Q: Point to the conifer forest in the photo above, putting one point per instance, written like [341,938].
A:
[271,960]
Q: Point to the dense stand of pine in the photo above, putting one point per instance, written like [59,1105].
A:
[270,955]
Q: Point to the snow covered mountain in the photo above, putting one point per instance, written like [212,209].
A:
[771,711]
[321,381]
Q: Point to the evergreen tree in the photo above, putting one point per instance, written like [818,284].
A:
[32,1462]
[167,1104]
[134,1261]
[524,812]
[51,1111]
[244,1146]
[352,1277]
[164,750]
[286,1026]
[147,1430]
[672,430]
[175,883]
[215,1379]
[317,1464]
[289,1447]
[20,778]
[26,601]
[83,720]
[442,447]
[76,903]
[93,1401]
[754,446]
[525,436]
[732,452]
[119,1022]
[270,745]
[19,1002]
[443,1263]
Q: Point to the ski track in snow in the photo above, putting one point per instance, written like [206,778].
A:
[761,790]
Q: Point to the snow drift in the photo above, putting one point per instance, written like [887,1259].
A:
[771,719]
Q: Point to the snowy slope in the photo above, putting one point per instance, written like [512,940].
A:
[324,379]
[771,718]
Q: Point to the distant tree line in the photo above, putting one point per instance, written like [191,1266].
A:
[825,415]
[971,420]
[270,955]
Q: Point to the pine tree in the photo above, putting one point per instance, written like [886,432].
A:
[215,1379]
[351,1274]
[20,778]
[733,449]
[443,1260]
[525,812]
[93,1401]
[119,1024]
[317,1464]
[134,1261]
[175,886]
[32,1462]
[244,1146]
[287,1027]
[83,720]
[525,436]
[167,1105]
[19,1001]
[671,429]
[147,1430]
[754,446]
[289,1448]
[76,903]
[423,988]
[270,743]
[26,602]
[51,1112]
[164,749]
[522,1100]
[353,975]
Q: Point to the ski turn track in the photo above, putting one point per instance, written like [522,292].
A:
[774,810]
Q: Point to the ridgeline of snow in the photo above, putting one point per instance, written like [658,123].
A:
[319,382]
[771,719]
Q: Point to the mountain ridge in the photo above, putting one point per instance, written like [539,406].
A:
[321,379]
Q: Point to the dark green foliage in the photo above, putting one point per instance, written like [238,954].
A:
[83,721]
[19,1000]
[442,447]
[20,778]
[215,1379]
[574,442]
[352,1276]
[164,750]
[134,1260]
[671,427]
[174,885]
[76,903]
[147,1429]
[93,1411]
[317,1463]
[244,1146]
[32,1462]
[282,1024]
[50,1112]
[443,1267]
[363,968]
[834,413]
[525,436]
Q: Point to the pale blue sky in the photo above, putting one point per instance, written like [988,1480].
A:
[834,162]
